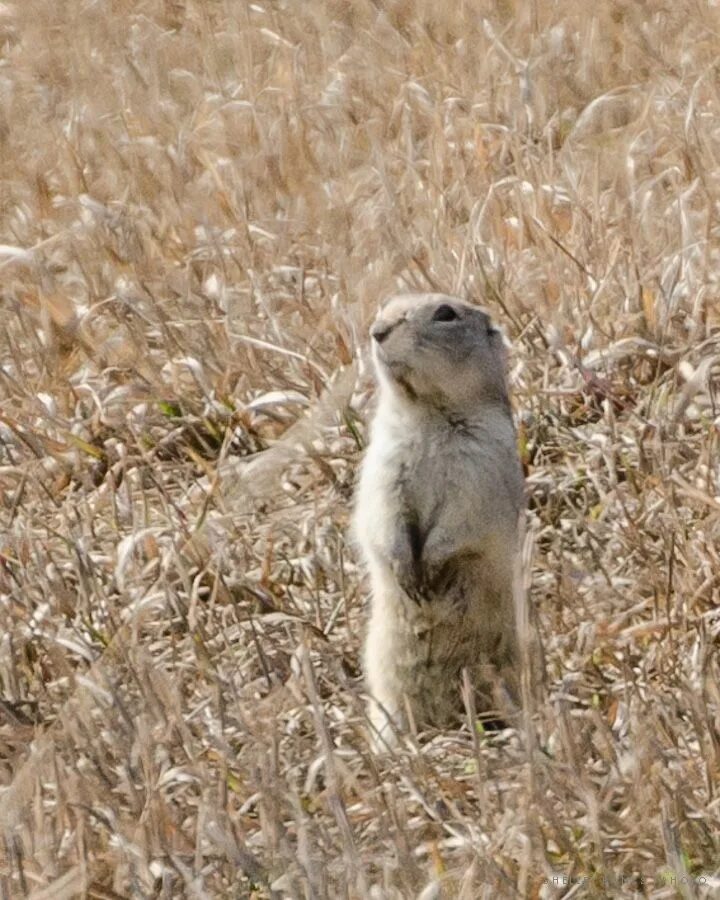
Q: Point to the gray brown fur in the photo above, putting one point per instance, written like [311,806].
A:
[437,514]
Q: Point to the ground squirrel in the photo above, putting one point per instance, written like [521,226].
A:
[438,506]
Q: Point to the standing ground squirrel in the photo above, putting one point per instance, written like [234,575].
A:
[438,507]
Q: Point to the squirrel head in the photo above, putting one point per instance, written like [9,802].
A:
[439,352]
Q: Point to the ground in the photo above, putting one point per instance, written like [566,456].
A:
[201,204]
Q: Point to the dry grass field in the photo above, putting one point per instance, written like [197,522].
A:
[201,203]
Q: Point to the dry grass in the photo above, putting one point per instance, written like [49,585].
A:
[200,204]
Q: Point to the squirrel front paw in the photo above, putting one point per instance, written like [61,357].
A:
[406,578]
[406,567]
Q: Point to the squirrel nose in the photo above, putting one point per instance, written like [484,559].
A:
[380,330]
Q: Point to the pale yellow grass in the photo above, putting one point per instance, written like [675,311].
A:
[200,205]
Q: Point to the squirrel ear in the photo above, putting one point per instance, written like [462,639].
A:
[500,342]
[500,338]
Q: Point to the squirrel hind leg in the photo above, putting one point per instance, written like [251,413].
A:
[385,722]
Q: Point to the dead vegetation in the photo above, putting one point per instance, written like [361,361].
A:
[200,204]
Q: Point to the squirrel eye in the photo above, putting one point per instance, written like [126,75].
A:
[445,313]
